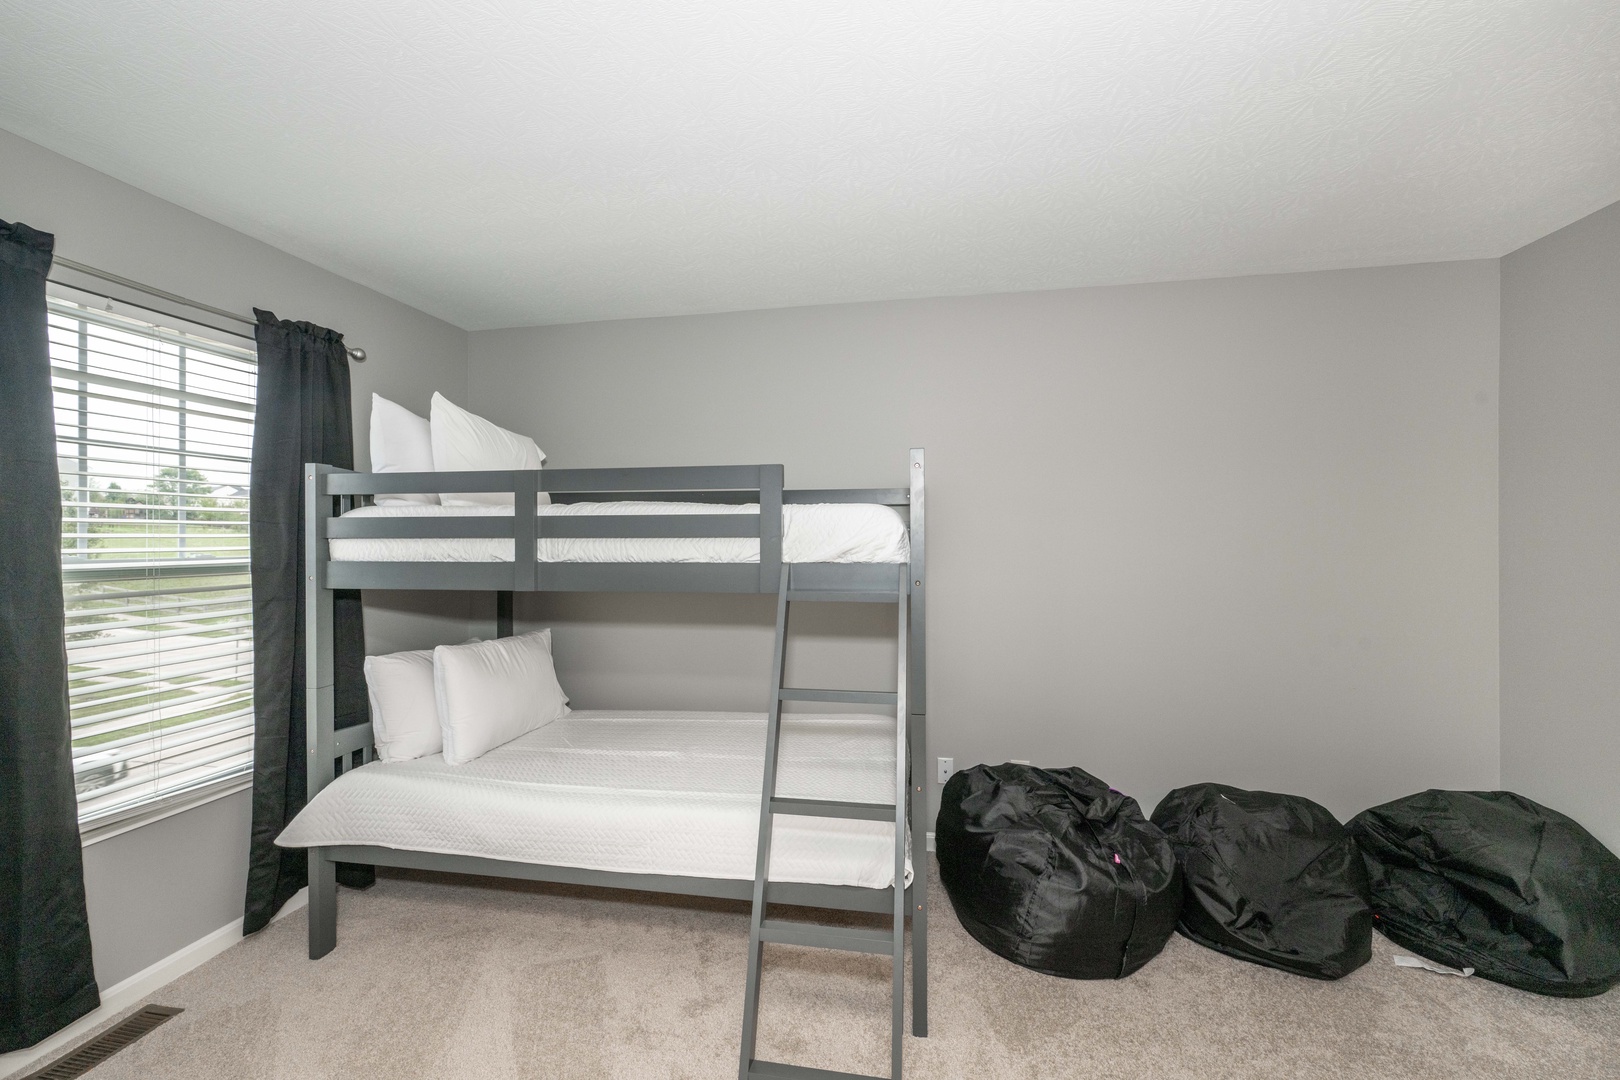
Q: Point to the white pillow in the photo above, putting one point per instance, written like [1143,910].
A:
[401,441]
[404,713]
[491,692]
[404,709]
[466,442]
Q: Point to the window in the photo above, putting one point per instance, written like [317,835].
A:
[154,432]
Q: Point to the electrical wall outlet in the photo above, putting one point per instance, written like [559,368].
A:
[947,765]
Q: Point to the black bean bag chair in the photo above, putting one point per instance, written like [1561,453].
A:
[1272,879]
[1495,882]
[1053,870]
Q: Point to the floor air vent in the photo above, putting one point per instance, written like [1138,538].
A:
[105,1045]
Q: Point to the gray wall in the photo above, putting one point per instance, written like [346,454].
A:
[156,889]
[1242,529]
[138,915]
[1561,522]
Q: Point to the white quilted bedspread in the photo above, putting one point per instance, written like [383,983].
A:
[636,792]
[811,532]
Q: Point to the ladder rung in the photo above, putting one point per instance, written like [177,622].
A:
[865,811]
[849,939]
[775,1070]
[859,697]
[827,595]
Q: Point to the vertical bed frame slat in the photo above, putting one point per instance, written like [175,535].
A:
[526,568]
[770,527]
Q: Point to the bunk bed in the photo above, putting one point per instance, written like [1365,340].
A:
[728,529]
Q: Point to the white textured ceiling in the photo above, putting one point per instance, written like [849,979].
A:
[503,163]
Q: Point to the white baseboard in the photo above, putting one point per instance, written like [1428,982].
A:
[120,996]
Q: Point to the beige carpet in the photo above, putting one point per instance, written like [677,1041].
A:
[456,977]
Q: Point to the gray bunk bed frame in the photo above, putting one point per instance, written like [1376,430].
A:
[330,492]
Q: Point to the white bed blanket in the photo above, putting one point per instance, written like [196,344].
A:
[635,792]
[811,532]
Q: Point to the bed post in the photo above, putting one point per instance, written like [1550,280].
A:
[917,722]
[525,531]
[319,702]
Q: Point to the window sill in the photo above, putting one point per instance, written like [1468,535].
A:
[122,821]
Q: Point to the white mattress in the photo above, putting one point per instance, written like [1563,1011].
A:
[636,792]
[811,532]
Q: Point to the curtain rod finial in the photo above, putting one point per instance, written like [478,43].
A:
[357,355]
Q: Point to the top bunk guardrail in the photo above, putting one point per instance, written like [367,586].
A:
[332,492]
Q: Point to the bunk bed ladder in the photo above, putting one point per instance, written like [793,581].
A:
[762,930]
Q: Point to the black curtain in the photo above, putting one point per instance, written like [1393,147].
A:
[47,979]
[303,415]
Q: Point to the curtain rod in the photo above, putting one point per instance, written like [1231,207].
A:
[357,355]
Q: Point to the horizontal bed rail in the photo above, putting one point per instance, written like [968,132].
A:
[731,496]
[829,581]
[797,894]
[577,485]
[881,496]
[546,577]
[602,526]
[563,481]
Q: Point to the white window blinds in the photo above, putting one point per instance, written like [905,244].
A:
[154,432]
